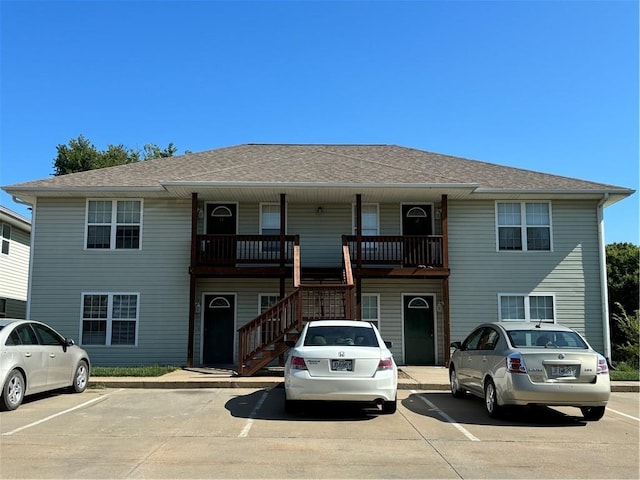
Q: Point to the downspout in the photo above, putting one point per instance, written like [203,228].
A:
[32,239]
[604,292]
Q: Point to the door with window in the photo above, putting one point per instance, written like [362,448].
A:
[416,224]
[221,222]
[218,329]
[419,330]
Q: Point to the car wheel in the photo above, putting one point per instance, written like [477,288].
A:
[456,391]
[12,391]
[592,413]
[390,407]
[491,399]
[81,377]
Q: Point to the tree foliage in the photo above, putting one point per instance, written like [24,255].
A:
[628,350]
[80,155]
[623,270]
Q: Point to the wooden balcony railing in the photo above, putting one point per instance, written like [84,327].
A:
[407,251]
[212,250]
[262,340]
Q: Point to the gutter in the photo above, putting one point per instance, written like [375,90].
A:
[604,292]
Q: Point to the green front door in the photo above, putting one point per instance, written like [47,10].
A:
[419,330]
[218,332]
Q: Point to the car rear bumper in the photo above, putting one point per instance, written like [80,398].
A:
[520,390]
[299,385]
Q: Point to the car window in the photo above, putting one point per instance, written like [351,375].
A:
[47,336]
[13,339]
[545,338]
[471,342]
[27,335]
[488,339]
[357,336]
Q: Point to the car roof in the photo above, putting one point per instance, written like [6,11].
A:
[8,321]
[510,326]
[339,323]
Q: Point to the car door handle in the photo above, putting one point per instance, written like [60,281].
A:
[28,354]
[52,355]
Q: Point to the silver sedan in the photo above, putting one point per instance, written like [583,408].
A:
[532,363]
[35,358]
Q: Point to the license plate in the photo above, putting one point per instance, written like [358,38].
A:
[342,365]
[564,370]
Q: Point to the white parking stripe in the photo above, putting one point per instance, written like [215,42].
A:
[464,431]
[50,417]
[247,427]
[623,414]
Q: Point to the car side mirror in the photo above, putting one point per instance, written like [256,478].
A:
[290,343]
[388,344]
[456,345]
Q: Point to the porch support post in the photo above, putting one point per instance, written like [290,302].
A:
[192,279]
[283,219]
[445,282]
[358,306]
[445,232]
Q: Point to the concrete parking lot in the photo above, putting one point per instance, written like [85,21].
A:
[245,433]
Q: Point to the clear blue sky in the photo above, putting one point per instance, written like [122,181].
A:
[550,86]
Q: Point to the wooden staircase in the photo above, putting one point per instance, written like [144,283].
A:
[261,341]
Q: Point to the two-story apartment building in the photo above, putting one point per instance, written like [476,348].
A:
[216,257]
[15,245]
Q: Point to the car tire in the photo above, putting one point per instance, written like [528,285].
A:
[592,413]
[390,407]
[491,399]
[456,391]
[13,391]
[80,377]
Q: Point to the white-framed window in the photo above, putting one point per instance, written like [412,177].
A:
[371,308]
[523,226]
[270,224]
[370,219]
[266,301]
[114,224]
[5,235]
[527,308]
[110,318]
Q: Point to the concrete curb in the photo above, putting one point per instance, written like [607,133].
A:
[132,382]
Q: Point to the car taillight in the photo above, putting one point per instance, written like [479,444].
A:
[297,363]
[515,364]
[385,364]
[602,365]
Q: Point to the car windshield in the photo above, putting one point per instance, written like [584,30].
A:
[341,335]
[545,338]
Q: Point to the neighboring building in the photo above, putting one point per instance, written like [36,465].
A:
[15,244]
[215,257]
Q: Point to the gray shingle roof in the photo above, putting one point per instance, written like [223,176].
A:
[316,164]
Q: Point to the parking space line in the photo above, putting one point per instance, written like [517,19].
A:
[623,414]
[449,419]
[51,417]
[247,427]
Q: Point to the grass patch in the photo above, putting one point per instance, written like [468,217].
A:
[624,372]
[142,371]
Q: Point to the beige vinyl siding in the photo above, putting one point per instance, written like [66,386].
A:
[570,272]
[14,280]
[246,293]
[158,273]
[391,326]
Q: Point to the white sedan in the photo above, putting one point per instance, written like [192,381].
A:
[341,360]
[35,358]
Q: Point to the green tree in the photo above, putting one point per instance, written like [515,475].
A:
[81,155]
[623,271]
[628,350]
